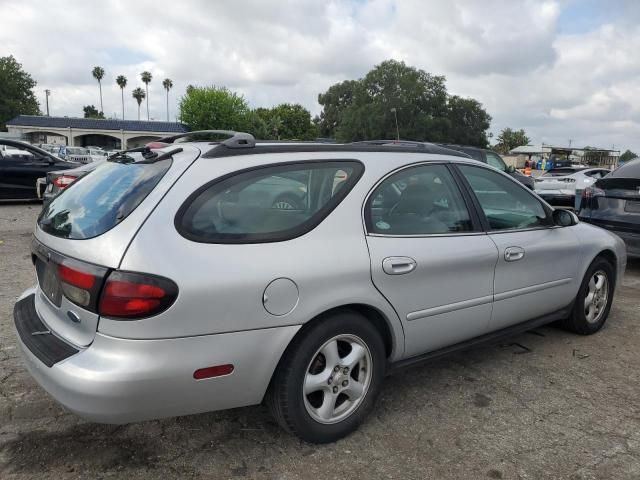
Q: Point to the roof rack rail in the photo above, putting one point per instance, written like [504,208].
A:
[235,140]
[410,143]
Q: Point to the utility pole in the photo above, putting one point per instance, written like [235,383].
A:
[397,129]
[47,93]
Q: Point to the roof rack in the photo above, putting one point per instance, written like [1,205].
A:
[235,140]
[400,143]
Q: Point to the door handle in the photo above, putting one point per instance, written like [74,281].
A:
[513,254]
[398,265]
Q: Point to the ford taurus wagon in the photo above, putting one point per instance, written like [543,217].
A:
[203,275]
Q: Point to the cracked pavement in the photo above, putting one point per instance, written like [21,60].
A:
[546,404]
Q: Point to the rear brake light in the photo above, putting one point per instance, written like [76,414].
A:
[591,192]
[157,145]
[129,295]
[64,181]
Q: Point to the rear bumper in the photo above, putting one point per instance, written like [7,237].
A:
[557,199]
[118,380]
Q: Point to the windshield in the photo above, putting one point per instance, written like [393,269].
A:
[99,201]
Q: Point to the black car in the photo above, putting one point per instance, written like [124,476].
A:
[492,158]
[613,202]
[21,165]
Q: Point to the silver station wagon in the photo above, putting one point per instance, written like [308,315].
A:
[200,275]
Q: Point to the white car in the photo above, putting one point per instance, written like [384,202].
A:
[560,186]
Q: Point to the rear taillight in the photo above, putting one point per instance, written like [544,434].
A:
[80,282]
[63,181]
[592,192]
[129,295]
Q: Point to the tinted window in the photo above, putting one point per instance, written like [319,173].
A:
[267,204]
[495,161]
[419,200]
[506,204]
[99,201]
[628,170]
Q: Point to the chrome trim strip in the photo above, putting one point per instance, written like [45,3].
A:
[428,235]
[533,288]
[451,307]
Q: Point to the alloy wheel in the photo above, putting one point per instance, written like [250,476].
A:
[337,379]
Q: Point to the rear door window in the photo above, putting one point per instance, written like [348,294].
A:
[100,200]
[266,204]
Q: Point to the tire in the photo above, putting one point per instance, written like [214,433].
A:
[587,317]
[304,414]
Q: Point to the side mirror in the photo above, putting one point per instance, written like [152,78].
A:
[511,169]
[564,218]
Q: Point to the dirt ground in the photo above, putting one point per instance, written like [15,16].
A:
[545,405]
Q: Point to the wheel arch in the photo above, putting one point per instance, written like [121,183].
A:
[367,312]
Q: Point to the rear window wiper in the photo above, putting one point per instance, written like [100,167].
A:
[155,157]
[148,155]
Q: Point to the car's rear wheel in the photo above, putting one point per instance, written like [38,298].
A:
[329,378]
[593,302]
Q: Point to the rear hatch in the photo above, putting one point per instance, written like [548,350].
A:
[613,203]
[557,181]
[82,235]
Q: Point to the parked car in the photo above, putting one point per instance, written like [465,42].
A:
[81,154]
[165,289]
[560,186]
[613,202]
[56,182]
[21,164]
[492,158]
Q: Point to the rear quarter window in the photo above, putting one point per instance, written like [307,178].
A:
[101,199]
[266,204]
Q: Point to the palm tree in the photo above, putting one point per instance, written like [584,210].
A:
[146,79]
[139,95]
[98,74]
[121,80]
[168,85]
[275,124]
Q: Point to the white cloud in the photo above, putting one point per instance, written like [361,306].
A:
[511,55]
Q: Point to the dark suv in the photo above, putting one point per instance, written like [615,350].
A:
[492,158]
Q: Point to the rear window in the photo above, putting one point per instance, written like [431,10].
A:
[267,204]
[561,172]
[628,170]
[100,200]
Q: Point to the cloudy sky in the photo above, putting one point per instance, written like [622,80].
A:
[562,70]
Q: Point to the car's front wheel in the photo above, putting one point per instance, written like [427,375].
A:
[329,378]
[593,302]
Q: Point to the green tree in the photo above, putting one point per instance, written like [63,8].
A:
[334,102]
[468,122]
[510,139]
[146,79]
[214,108]
[16,91]
[139,95]
[362,110]
[98,74]
[121,80]
[295,121]
[92,112]
[167,84]
[627,155]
